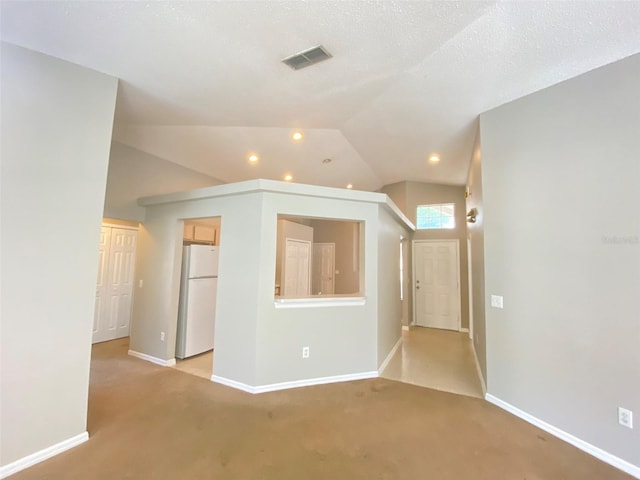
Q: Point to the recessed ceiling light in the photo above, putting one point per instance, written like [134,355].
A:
[435,158]
[350,186]
[297,136]
[288,177]
[253,158]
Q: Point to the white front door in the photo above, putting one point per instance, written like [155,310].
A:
[297,277]
[436,284]
[324,269]
[115,283]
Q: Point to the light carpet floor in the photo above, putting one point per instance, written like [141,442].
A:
[151,422]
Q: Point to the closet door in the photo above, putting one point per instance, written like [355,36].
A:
[101,286]
[122,256]
[114,290]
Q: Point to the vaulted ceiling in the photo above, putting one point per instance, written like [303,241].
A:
[202,83]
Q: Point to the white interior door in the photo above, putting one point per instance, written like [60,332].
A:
[101,285]
[297,271]
[115,281]
[324,269]
[436,284]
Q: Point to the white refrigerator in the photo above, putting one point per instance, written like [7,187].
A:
[197,307]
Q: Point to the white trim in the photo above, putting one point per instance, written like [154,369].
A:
[470,284]
[124,227]
[233,384]
[480,376]
[413,274]
[294,384]
[600,454]
[44,454]
[464,330]
[405,328]
[319,302]
[273,186]
[158,361]
[384,364]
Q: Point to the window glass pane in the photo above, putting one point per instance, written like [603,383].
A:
[435,216]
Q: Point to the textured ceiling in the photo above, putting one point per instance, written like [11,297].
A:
[202,84]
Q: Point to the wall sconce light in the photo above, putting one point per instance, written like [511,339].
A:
[471,216]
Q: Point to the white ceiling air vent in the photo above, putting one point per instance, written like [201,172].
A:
[308,57]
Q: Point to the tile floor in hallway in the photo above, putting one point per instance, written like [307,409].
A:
[200,365]
[438,359]
[428,357]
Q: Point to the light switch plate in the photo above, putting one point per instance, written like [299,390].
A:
[625,417]
[497,301]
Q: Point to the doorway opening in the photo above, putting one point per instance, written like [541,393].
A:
[195,330]
[114,286]
[435,352]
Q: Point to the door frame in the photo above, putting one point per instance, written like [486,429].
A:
[123,227]
[456,242]
[470,286]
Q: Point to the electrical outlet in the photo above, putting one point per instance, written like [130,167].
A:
[625,417]
[497,301]
[140,283]
[305,352]
[162,336]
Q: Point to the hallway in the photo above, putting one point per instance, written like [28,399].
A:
[438,359]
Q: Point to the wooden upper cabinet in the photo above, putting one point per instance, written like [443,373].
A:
[188,232]
[194,232]
[203,233]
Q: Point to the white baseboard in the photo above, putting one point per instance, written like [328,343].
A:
[600,454]
[30,460]
[294,384]
[482,381]
[405,328]
[463,330]
[384,364]
[233,384]
[158,361]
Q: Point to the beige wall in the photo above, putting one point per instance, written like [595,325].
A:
[407,196]
[560,176]
[257,341]
[398,193]
[343,234]
[475,234]
[389,303]
[134,174]
[55,137]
